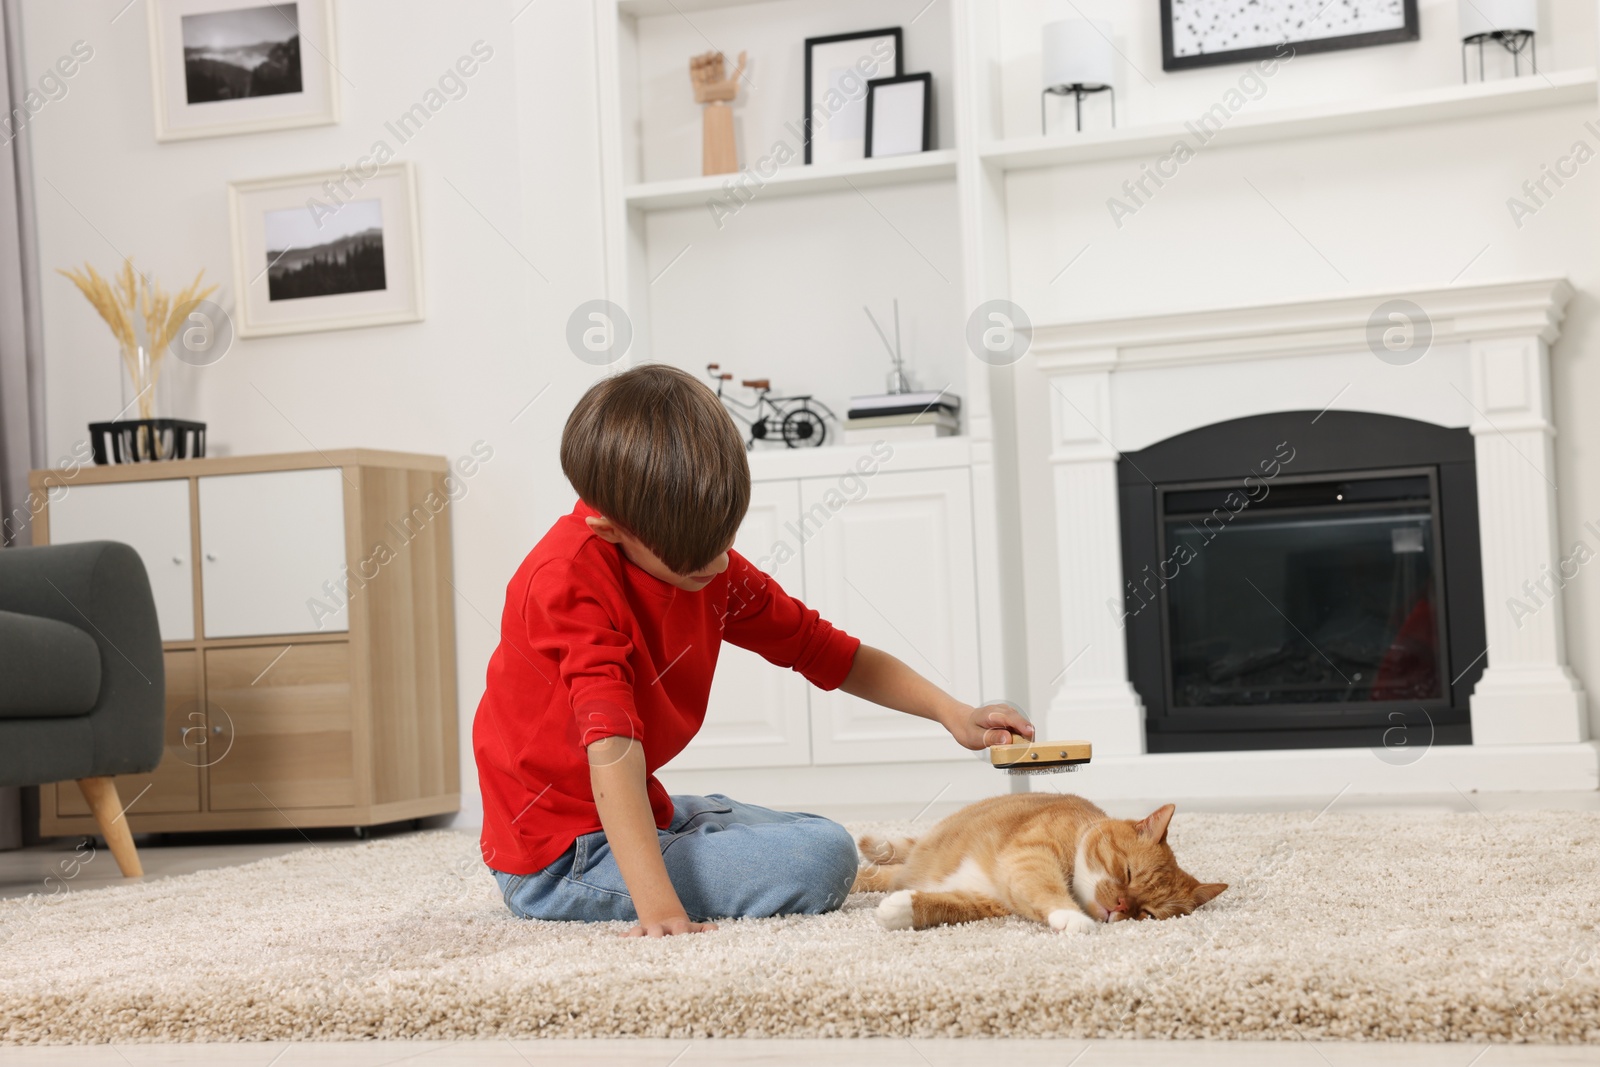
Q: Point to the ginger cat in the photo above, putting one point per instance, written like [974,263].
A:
[1050,858]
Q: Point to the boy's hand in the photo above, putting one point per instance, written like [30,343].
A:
[992,724]
[677,924]
[617,774]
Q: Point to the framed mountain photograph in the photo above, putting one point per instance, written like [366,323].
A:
[326,251]
[238,66]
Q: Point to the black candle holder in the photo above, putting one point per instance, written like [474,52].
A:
[146,440]
[1077,90]
[1514,41]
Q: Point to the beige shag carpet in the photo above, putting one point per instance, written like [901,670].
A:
[1379,927]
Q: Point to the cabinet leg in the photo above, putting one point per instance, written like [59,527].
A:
[101,793]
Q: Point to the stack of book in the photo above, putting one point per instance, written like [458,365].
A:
[902,417]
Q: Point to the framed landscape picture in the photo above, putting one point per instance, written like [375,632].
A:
[309,254]
[237,66]
[1205,33]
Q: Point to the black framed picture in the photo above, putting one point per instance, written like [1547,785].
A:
[899,115]
[838,69]
[1207,33]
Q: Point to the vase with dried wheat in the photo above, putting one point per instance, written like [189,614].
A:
[143,317]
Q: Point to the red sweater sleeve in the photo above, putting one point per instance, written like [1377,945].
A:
[769,622]
[569,619]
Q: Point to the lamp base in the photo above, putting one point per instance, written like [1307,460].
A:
[1076,90]
[1514,41]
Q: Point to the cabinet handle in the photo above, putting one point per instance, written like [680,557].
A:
[177,560]
[210,557]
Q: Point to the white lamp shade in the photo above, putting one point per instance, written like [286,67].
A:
[1078,52]
[1488,16]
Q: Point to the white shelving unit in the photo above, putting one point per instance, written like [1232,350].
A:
[928,227]
[796,181]
[1341,116]
[776,290]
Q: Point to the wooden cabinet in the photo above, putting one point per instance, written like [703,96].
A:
[286,714]
[889,559]
[307,616]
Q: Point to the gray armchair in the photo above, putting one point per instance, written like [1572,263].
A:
[83,692]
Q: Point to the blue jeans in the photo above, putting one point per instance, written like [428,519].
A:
[725,859]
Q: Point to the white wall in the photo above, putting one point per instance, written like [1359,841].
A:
[1407,208]
[520,146]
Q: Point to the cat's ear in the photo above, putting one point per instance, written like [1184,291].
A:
[1153,827]
[1207,892]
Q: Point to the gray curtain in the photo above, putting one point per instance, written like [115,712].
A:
[22,441]
[22,444]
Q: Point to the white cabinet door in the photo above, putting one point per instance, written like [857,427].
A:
[894,568]
[152,517]
[269,544]
[757,716]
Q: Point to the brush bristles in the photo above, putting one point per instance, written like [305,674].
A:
[1035,768]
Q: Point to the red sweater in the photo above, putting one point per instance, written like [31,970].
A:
[592,646]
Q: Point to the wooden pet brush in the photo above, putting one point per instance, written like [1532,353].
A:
[1040,757]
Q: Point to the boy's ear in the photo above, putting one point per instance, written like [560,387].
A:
[604,528]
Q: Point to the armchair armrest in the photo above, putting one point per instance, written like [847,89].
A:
[101,588]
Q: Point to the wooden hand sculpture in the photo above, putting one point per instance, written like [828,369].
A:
[712,88]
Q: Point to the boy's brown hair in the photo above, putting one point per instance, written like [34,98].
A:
[653,450]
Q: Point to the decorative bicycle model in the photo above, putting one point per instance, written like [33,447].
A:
[798,421]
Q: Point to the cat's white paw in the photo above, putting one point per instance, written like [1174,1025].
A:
[1071,921]
[895,911]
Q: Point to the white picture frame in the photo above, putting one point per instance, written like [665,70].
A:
[304,254]
[213,49]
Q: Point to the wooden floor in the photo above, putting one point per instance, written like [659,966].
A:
[868,1053]
[25,870]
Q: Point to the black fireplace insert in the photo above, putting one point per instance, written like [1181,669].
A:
[1303,580]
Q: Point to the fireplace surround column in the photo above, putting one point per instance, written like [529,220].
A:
[1527,695]
[1093,698]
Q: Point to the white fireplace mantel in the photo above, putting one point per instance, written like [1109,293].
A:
[1120,385]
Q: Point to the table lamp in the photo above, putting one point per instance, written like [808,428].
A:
[1078,60]
[1510,23]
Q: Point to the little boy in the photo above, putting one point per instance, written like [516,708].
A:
[608,641]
